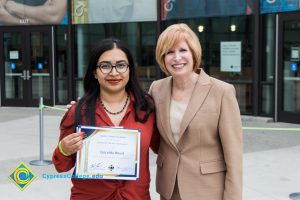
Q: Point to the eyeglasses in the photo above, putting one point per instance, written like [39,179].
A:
[106,67]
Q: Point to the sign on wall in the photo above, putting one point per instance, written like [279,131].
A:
[109,11]
[178,9]
[270,6]
[231,56]
[33,12]
[295,54]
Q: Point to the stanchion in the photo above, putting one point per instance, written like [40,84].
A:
[41,161]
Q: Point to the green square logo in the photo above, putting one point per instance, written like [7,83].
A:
[22,176]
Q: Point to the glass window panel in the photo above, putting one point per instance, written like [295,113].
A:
[291,62]
[104,11]
[267,99]
[203,8]
[244,95]
[211,32]
[79,88]
[269,38]
[40,69]
[13,65]
[140,37]
[61,65]
[268,64]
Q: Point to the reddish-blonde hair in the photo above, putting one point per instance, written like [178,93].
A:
[172,35]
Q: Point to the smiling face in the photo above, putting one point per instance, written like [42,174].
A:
[179,59]
[112,82]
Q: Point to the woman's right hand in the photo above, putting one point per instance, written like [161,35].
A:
[72,103]
[72,143]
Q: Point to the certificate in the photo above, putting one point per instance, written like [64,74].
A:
[108,153]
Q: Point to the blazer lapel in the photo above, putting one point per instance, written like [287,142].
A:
[164,110]
[199,94]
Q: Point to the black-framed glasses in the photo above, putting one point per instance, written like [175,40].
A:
[106,67]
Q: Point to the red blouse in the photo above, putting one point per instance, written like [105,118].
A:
[84,189]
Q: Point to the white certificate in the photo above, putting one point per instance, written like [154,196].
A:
[109,153]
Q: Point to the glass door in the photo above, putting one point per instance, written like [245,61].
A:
[26,60]
[289,68]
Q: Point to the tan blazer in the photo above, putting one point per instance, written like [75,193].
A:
[207,160]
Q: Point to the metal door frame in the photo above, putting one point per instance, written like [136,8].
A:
[26,45]
[280,114]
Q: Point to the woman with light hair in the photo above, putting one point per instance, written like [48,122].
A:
[198,117]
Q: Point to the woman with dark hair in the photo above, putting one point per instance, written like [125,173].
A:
[112,97]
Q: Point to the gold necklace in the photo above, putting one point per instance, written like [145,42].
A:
[115,113]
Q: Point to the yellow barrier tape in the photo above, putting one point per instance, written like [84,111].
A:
[54,108]
[271,129]
[244,128]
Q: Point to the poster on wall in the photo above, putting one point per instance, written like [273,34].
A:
[178,9]
[231,56]
[13,55]
[110,11]
[270,6]
[295,54]
[33,12]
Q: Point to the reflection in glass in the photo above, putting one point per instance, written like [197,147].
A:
[61,66]
[244,95]
[13,65]
[291,62]
[139,37]
[268,63]
[40,71]
[217,30]
[79,88]
[267,99]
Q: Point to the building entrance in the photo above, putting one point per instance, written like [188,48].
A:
[26,61]
[288,106]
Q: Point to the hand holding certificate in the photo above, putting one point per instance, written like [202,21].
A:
[109,153]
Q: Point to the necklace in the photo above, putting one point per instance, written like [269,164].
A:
[115,113]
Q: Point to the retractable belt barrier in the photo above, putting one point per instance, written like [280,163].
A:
[270,129]
[53,108]
[42,162]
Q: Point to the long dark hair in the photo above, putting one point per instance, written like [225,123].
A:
[87,104]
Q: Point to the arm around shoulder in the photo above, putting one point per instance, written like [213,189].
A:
[155,140]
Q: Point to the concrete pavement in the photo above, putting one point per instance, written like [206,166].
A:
[271,158]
